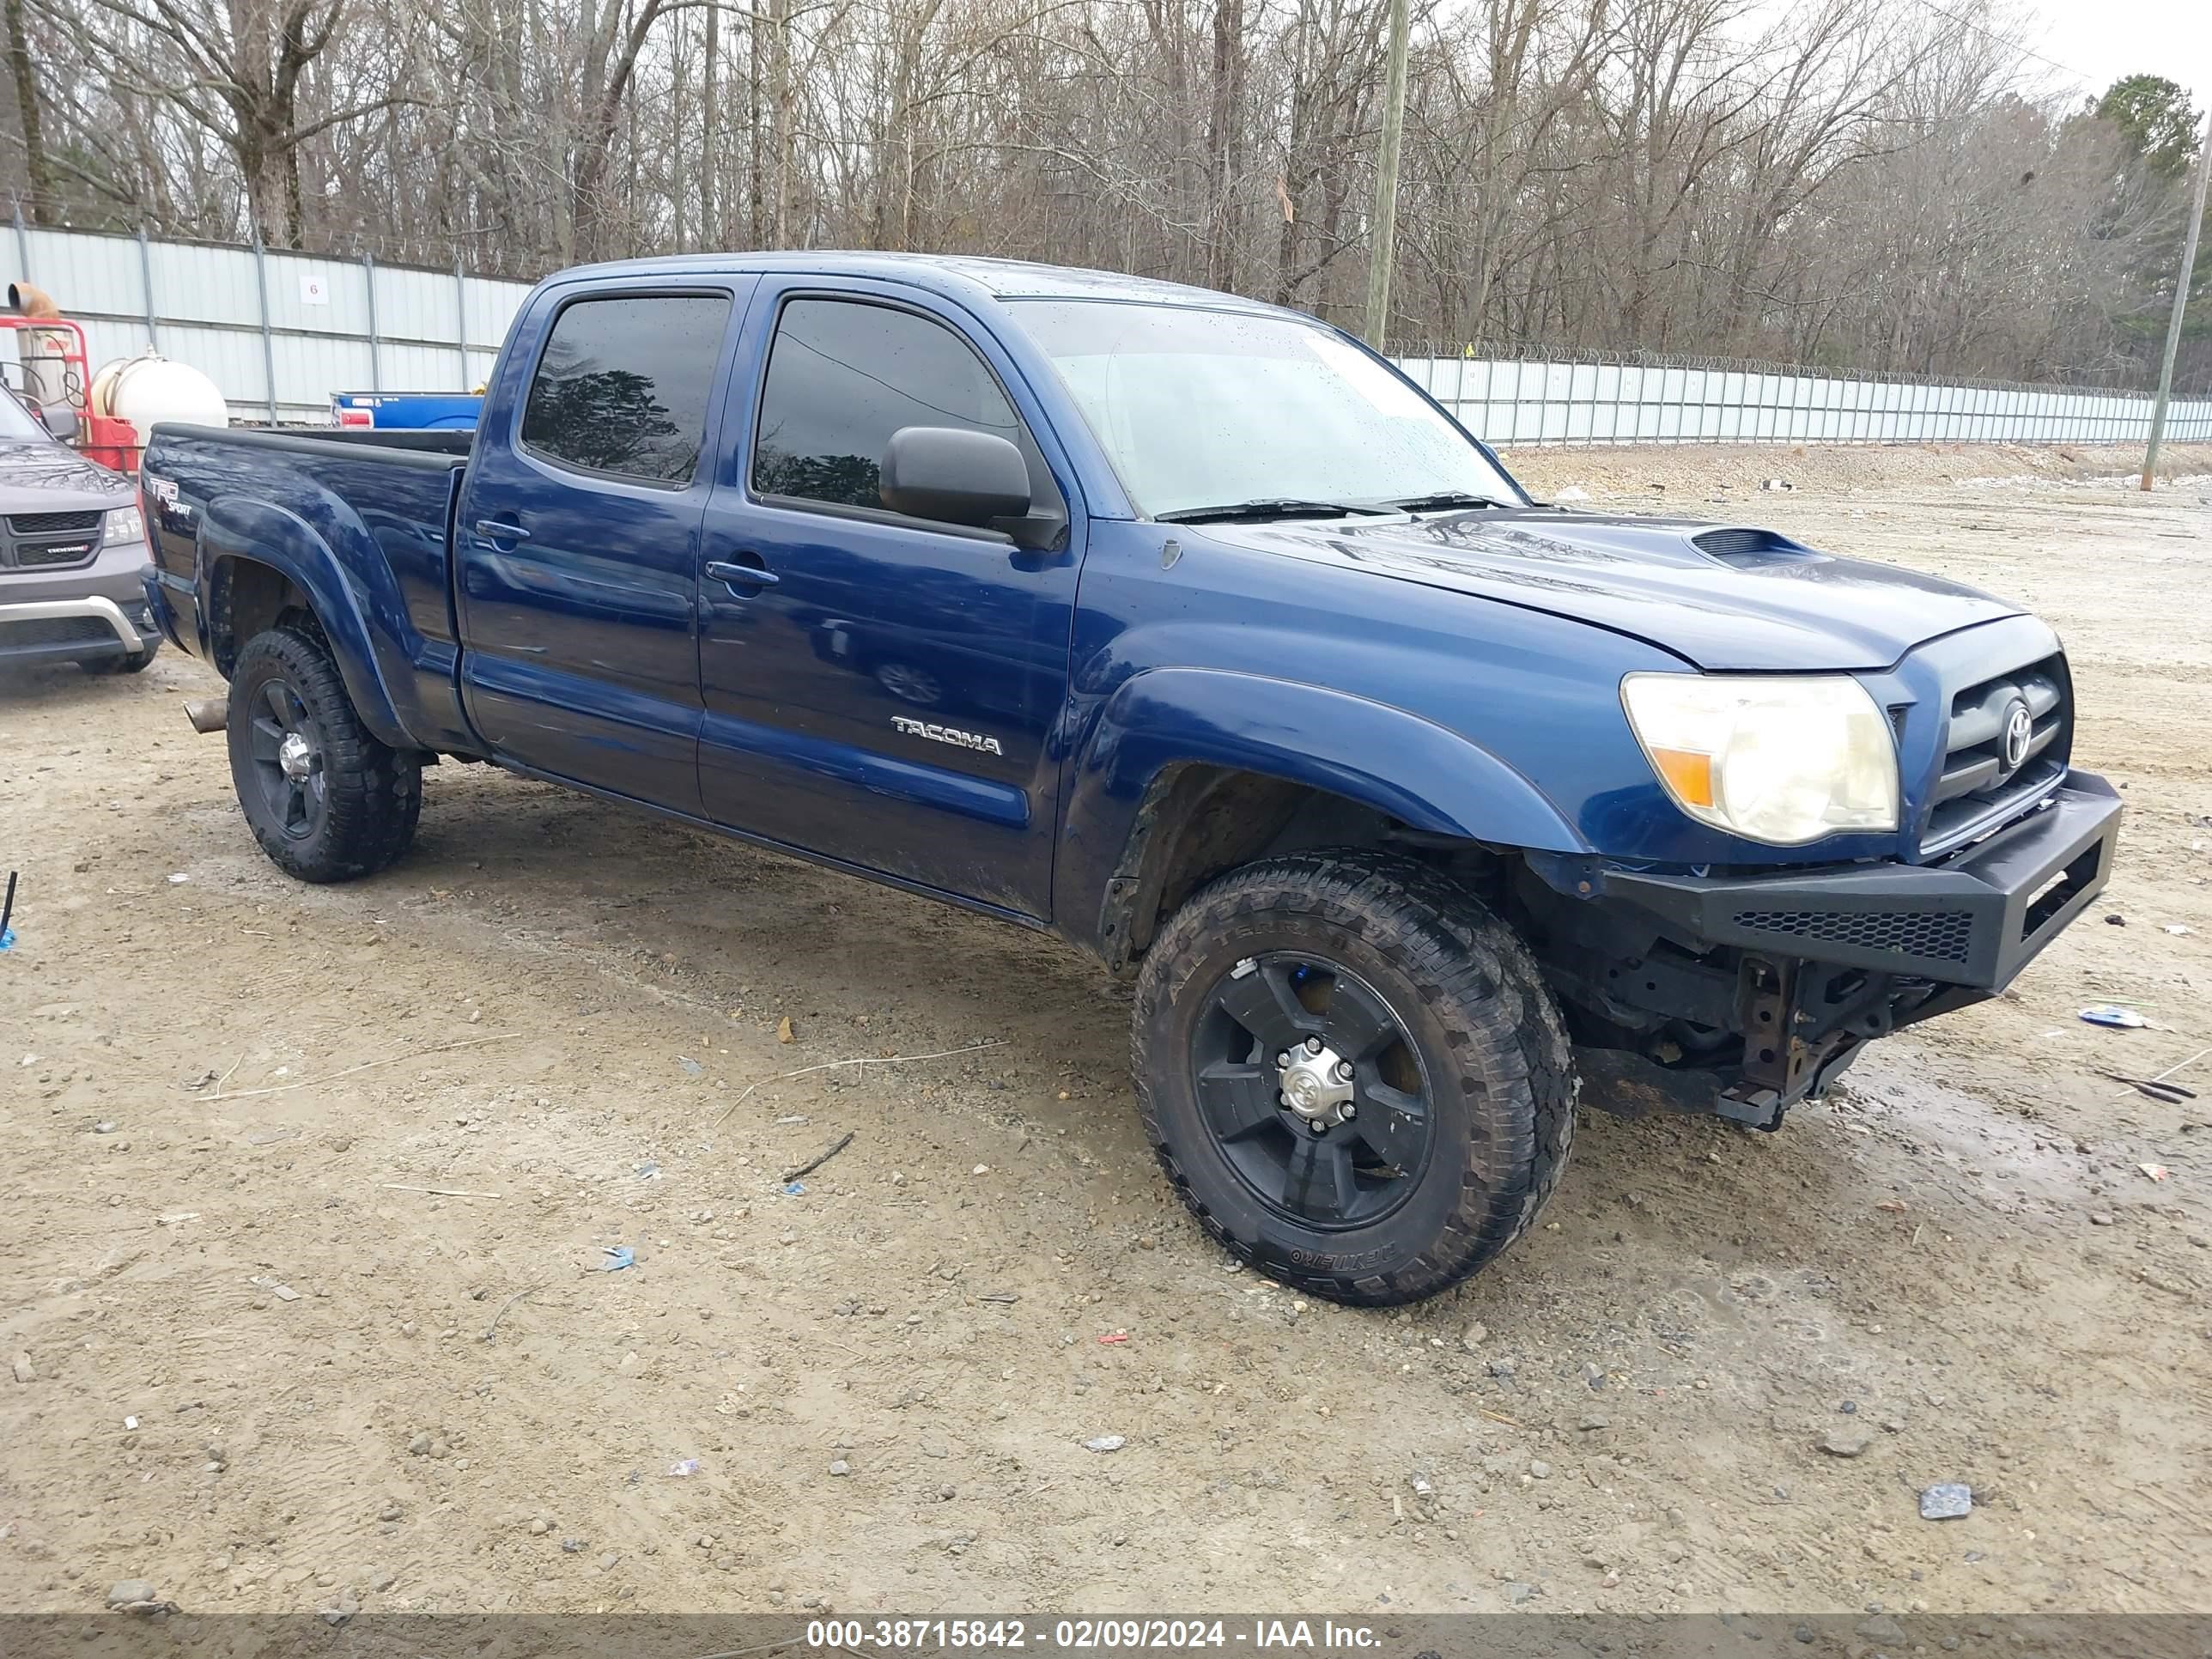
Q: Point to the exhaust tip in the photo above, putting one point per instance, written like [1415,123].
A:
[209,714]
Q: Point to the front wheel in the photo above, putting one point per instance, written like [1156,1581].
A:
[327,800]
[1354,1073]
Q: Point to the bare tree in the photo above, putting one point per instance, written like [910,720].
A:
[37,169]
[1850,182]
[244,66]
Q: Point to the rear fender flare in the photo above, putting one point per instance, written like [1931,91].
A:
[359,608]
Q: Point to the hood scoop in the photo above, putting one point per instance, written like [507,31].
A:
[1748,548]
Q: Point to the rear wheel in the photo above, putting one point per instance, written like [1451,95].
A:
[1354,1073]
[327,800]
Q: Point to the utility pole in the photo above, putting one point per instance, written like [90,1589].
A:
[1386,179]
[2180,301]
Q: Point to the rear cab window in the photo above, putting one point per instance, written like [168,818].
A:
[623,386]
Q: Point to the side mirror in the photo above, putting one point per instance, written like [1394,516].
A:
[954,476]
[61,420]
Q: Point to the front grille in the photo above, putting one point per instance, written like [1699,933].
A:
[1930,935]
[52,524]
[49,541]
[1976,790]
[46,555]
[54,630]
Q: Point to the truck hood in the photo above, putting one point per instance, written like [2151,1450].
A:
[39,475]
[1721,597]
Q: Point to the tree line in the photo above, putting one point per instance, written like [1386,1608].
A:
[1882,185]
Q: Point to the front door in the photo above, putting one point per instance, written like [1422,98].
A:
[877,688]
[578,540]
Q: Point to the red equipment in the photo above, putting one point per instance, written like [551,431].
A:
[100,438]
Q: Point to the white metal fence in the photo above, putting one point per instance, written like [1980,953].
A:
[280,332]
[1514,401]
[277,332]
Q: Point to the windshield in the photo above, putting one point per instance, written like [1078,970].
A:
[1201,409]
[17,423]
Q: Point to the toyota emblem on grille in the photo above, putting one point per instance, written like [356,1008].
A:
[2019,732]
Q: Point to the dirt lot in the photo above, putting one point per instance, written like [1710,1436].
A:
[267,1370]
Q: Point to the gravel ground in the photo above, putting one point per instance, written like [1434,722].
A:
[309,1192]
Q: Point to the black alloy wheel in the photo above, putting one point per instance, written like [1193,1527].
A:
[287,747]
[325,798]
[1353,1072]
[1312,1090]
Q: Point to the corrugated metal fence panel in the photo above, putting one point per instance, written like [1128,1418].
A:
[305,295]
[309,370]
[1508,401]
[231,358]
[417,305]
[88,271]
[197,284]
[419,369]
[232,316]
[491,307]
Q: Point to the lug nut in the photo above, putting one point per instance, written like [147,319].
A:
[1284,1057]
[1284,1097]
[1344,1070]
[1349,1112]
[1313,1045]
[1318,1127]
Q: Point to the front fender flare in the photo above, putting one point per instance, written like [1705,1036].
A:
[1423,775]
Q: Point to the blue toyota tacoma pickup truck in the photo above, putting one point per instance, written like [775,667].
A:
[1189,630]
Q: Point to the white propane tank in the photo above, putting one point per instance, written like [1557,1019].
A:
[148,388]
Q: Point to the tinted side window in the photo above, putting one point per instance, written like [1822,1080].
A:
[623,384]
[843,376]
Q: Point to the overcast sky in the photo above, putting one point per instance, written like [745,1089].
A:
[2100,40]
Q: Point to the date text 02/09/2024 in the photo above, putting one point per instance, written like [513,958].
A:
[1088,1635]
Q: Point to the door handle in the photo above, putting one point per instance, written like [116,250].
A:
[499,530]
[730,575]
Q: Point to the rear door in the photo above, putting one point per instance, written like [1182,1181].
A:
[578,535]
[881,689]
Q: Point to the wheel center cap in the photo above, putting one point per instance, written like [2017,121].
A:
[294,756]
[1312,1086]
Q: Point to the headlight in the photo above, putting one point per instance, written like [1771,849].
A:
[123,524]
[1783,759]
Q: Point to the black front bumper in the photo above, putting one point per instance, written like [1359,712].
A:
[1974,919]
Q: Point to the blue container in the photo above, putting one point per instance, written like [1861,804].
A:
[407,412]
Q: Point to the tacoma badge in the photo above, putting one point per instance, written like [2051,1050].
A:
[951,734]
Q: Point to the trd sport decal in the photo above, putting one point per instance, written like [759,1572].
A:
[951,734]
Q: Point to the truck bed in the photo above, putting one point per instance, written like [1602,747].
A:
[380,502]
